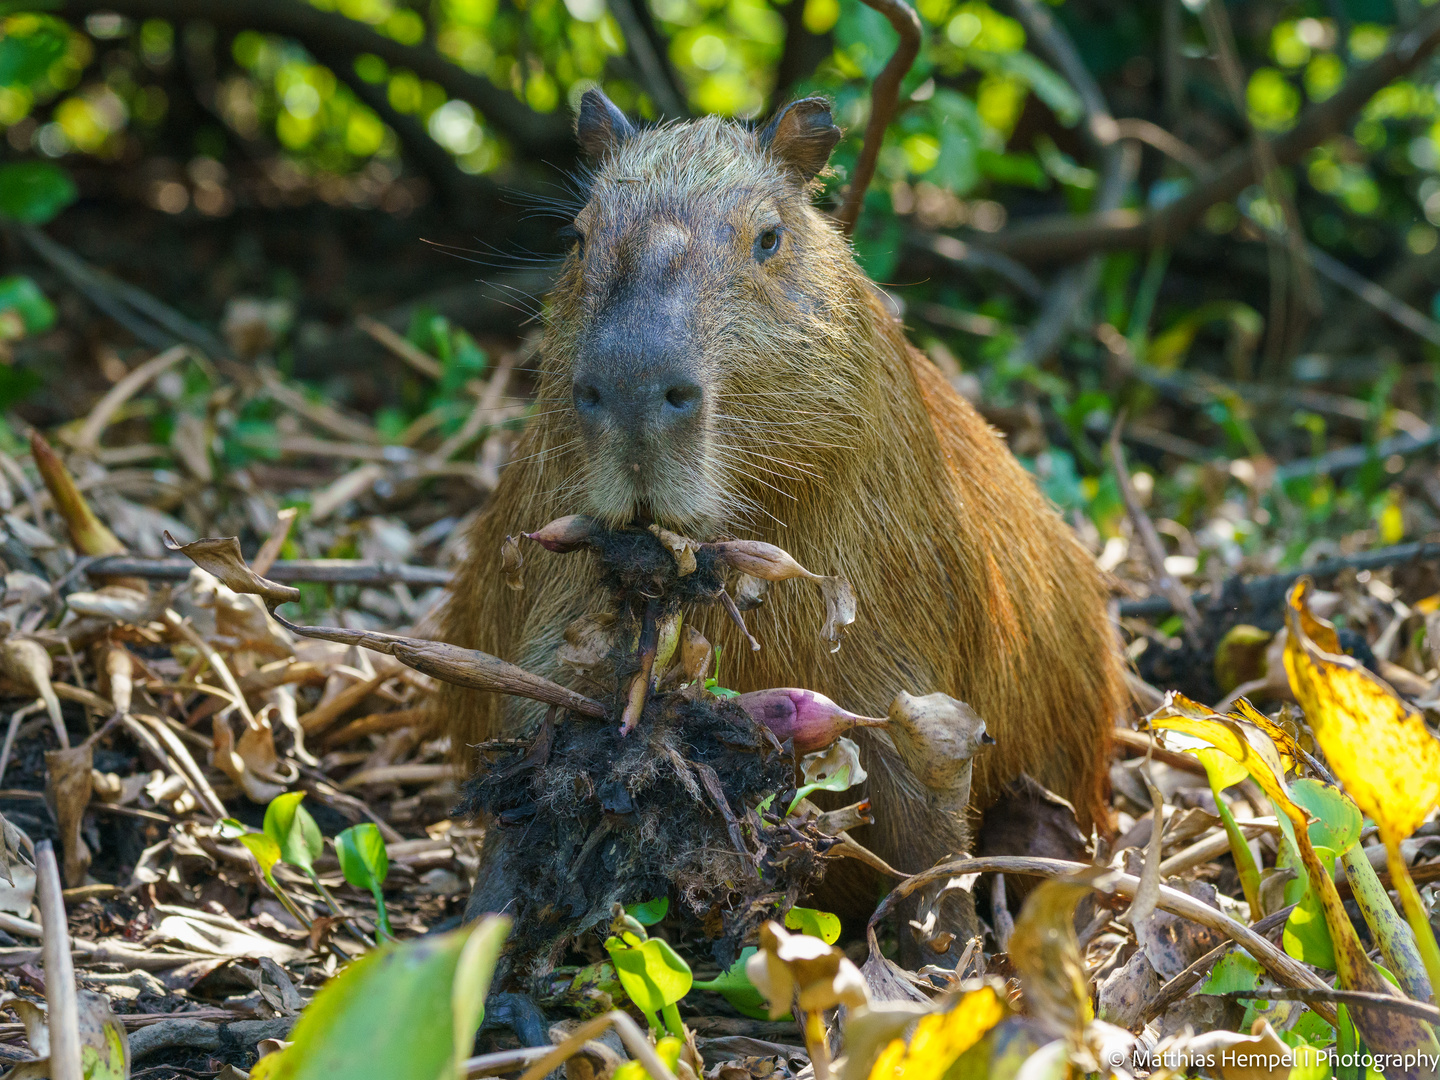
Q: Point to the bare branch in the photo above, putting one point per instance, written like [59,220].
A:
[655,74]
[1062,237]
[884,97]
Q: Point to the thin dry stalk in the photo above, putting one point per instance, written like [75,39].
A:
[1176,593]
[884,97]
[64,1005]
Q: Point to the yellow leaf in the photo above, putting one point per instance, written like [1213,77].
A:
[1046,953]
[939,1039]
[1377,746]
[1383,1030]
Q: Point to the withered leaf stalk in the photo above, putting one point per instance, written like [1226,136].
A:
[221,557]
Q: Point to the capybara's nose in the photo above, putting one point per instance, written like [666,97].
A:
[651,402]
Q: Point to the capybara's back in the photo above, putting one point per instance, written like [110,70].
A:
[716,362]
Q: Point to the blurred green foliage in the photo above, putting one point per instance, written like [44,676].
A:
[987,129]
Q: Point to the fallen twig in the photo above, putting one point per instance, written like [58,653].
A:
[1150,539]
[323,571]
[1281,967]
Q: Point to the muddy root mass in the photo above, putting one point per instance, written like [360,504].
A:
[589,818]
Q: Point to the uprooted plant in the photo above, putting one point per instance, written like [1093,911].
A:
[696,792]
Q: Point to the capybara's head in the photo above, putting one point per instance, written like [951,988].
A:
[703,327]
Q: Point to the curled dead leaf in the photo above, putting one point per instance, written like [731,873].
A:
[804,969]
[682,548]
[511,563]
[117,602]
[26,661]
[221,557]
[588,643]
[840,607]
[224,756]
[69,783]
[120,675]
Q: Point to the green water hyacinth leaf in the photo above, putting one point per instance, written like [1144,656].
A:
[290,825]
[265,850]
[1338,820]
[649,912]
[1307,937]
[365,864]
[654,977]
[821,924]
[738,990]
[402,1011]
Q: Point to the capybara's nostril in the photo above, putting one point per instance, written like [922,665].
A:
[587,397]
[683,399]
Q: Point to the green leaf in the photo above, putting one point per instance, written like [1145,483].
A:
[231,828]
[23,308]
[24,58]
[1307,937]
[1235,971]
[264,848]
[835,768]
[365,864]
[33,192]
[738,990]
[652,973]
[1338,821]
[650,912]
[402,1011]
[819,924]
[363,858]
[290,825]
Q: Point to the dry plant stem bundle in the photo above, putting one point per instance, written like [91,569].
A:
[695,577]
[448,663]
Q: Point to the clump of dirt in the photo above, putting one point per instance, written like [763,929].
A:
[584,817]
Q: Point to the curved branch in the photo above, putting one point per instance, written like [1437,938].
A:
[1059,238]
[331,35]
[1119,162]
[656,75]
[884,97]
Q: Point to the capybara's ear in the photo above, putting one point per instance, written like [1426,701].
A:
[600,125]
[801,135]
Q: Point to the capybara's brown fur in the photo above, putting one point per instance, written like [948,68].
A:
[821,429]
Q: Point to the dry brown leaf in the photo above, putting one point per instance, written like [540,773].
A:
[68,786]
[27,662]
[681,548]
[588,643]
[225,757]
[512,561]
[118,602]
[221,557]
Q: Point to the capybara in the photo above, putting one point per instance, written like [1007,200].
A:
[715,361]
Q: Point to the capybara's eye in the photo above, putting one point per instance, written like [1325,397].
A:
[766,244]
[570,232]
